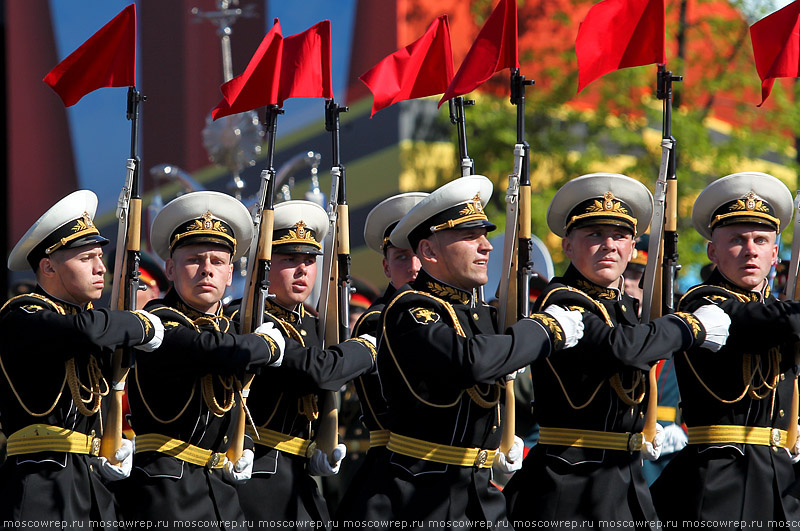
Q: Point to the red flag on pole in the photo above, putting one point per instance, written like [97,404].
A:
[423,68]
[306,64]
[776,46]
[619,34]
[494,49]
[259,85]
[107,59]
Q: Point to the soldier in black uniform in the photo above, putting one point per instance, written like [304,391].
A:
[55,358]
[401,267]
[591,399]
[740,404]
[442,366]
[285,403]
[184,396]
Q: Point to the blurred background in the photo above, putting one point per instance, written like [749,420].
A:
[48,151]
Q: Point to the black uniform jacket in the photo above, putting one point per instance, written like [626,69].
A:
[372,405]
[749,382]
[599,385]
[186,390]
[284,400]
[368,385]
[441,362]
[47,342]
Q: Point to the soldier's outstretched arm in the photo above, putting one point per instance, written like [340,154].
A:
[641,345]
[187,349]
[776,323]
[87,330]
[422,337]
[331,368]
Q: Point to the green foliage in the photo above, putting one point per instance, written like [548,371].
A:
[622,133]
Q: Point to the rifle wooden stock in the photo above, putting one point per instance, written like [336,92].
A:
[651,417]
[516,289]
[258,265]
[112,434]
[335,300]
[263,253]
[662,295]
[327,436]
[126,277]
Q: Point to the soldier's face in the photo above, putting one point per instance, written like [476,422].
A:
[75,275]
[200,273]
[400,265]
[292,277]
[744,253]
[600,252]
[459,257]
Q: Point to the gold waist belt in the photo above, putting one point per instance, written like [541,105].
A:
[604,440]
[154,442]
[284,443]
[440,453]
[45,438]
[739,434]
[667,414]
[378,438]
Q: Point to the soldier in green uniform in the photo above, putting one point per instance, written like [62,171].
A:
[55,361]
[590,400]
[285,403]
[184,396]
[740,404]
[442,364]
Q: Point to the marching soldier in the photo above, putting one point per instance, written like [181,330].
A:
[183,397]
[590,399]
[284,403]
[56,352]
[740,404]
[442,365]
[401,267]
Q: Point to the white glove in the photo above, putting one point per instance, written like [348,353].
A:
[571,321]
[109,472]
[674,439]
[513,376]
[652,450]
[241,471]
[370,338]
[319,465]
[716,322]
[508,464]
[794,452]
[268,329]
[158,336]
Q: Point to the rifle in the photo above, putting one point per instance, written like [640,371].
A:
[458,119]
[791,291]
[662,251]
[125,285]
[514,288]
[335,296]
[259,261]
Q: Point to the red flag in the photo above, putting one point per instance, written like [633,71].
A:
[258,86]
[619,34]
[423,68]
[776,46]
[494,49]
[107,59]
[306,64]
